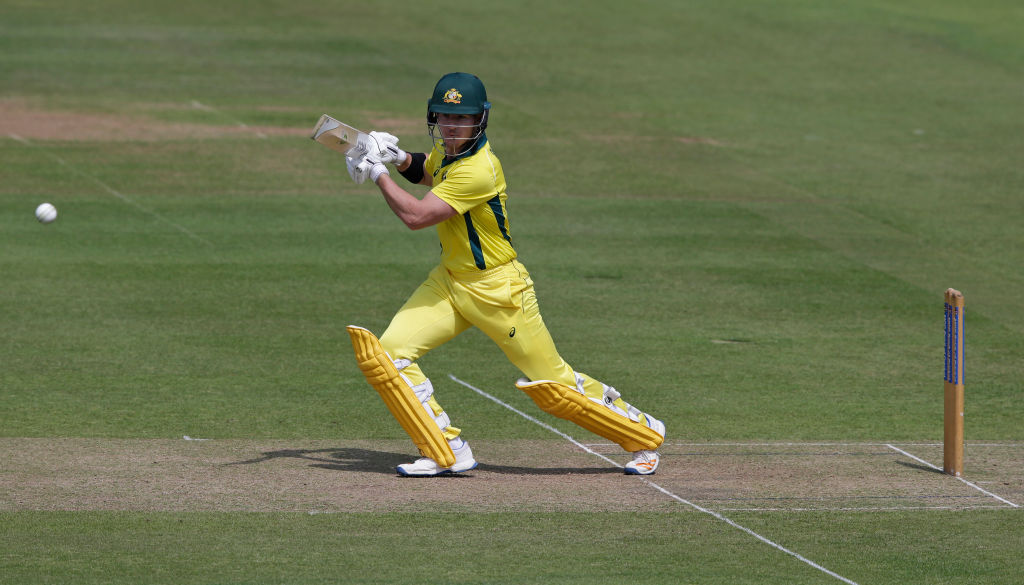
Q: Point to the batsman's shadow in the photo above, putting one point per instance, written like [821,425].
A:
[353,459]
[338,459]
[919,467]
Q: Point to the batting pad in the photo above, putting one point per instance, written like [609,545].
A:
[382,374]
[568,403]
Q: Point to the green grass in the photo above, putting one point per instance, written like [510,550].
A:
[804,177]
[521,548]
[357,548]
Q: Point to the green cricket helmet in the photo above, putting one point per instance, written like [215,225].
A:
[458,93]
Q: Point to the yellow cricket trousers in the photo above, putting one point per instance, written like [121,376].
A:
[499,301]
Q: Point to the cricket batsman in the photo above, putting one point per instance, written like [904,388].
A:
[478,283]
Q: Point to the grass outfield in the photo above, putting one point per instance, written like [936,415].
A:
[742,216]
[535,548]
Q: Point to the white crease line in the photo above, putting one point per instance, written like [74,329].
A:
[534,420]
[658,487]
[817,444]
[865,509]
[112,191]
[939,469]
[762,444]
[201,106]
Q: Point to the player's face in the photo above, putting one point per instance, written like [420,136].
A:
[456,130]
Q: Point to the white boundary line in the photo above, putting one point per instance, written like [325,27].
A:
[658,487]
[111,190]
[939,469]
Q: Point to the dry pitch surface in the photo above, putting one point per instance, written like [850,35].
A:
[326,476]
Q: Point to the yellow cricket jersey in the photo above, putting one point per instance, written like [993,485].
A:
[474,185]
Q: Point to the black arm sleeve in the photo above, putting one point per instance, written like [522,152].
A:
[414,174]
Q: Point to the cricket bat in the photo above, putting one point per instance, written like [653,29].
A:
[338,135]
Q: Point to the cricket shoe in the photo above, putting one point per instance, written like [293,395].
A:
[427,467]
[646,462]
[643,463]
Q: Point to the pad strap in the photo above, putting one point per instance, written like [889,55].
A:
[423,393]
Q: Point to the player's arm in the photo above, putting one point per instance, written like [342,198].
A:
[409,164]
[412,169]
[414,213]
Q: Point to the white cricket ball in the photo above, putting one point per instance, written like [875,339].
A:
[46,213]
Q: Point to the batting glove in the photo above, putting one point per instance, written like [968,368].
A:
[357,168]
[376,167]
[390,153]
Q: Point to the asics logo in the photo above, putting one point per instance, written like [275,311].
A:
[646,465]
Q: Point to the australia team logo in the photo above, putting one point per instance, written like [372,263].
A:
[452,96]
